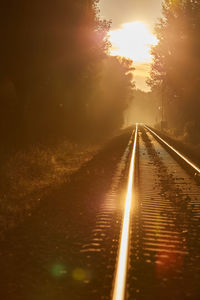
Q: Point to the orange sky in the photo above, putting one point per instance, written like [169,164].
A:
[127,11]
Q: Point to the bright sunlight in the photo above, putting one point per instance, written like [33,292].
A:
[134,41]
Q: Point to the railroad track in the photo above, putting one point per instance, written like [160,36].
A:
[164,242]
[157,253]
[138,237]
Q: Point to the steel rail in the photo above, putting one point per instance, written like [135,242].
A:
[174,150]
[119,284]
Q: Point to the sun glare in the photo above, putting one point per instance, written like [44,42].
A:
[134,41]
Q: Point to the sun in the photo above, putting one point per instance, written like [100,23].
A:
[134,41]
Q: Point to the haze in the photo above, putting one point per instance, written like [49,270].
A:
[126,11]
[127,14]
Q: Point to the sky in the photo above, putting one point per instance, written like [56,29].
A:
[128,11]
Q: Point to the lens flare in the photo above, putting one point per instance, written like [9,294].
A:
[58,270]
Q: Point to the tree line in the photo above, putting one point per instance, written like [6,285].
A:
[56,77]
[176,66]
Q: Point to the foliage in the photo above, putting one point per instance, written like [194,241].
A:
[111,95]
[51,54]
[175,70]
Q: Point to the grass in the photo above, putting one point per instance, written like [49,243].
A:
[28,175]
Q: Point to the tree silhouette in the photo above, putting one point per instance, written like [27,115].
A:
[175,69]
[50,55]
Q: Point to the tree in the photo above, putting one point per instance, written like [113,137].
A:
[175,69]
[111,94]
[47,54]
[54,64]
